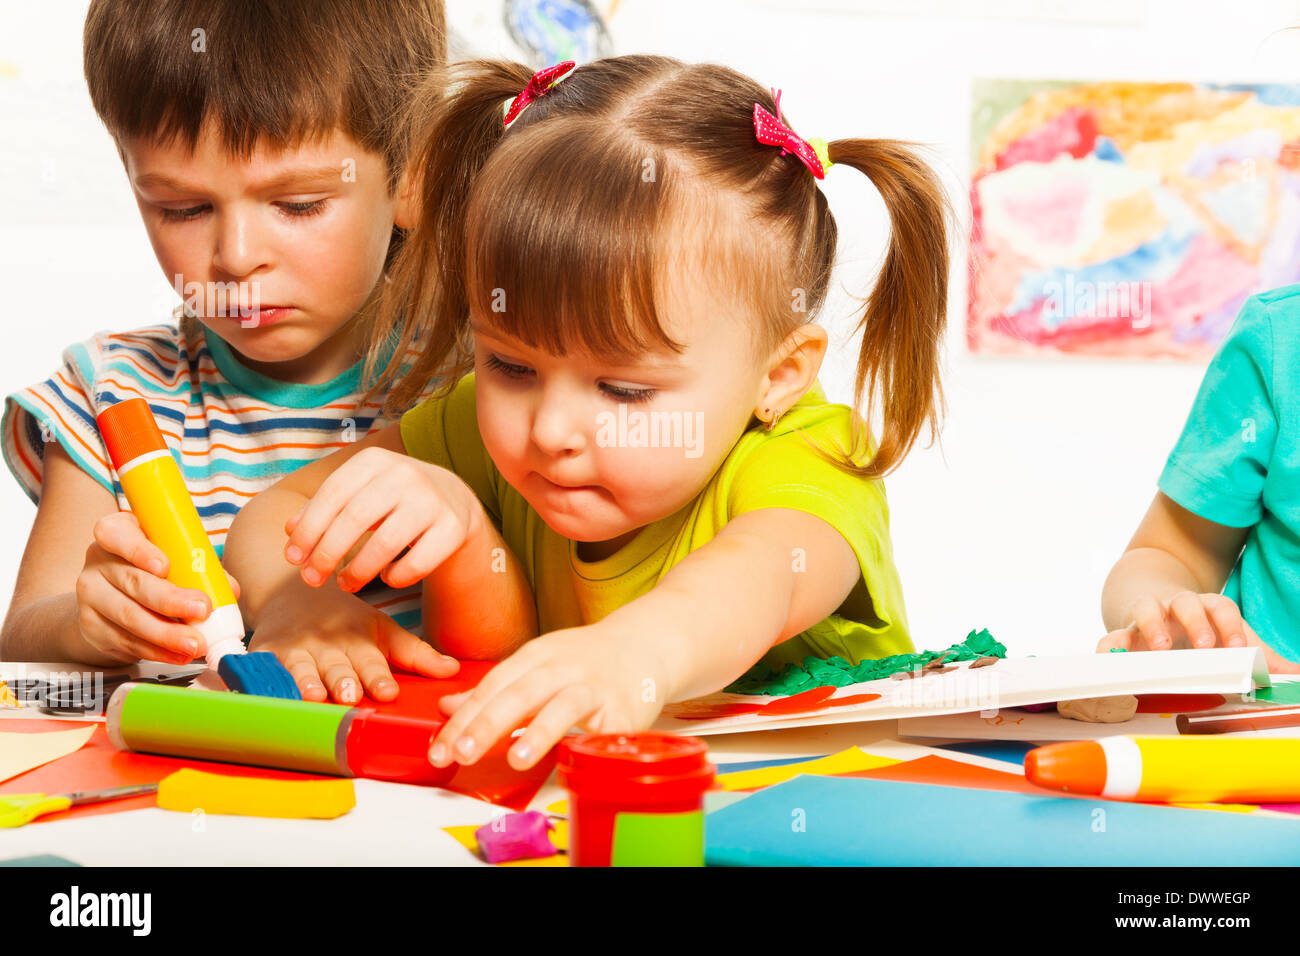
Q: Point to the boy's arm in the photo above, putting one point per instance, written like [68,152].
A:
[1174,552]
[479,598]
[91,587]
[41,624]
[708,620]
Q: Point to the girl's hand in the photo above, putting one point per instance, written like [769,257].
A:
[590,677]
[126,607]
[333,641]
[406,502]
[1190,620]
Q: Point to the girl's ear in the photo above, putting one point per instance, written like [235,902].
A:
[404,216]
[792,369]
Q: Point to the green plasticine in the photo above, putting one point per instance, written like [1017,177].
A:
[837,672]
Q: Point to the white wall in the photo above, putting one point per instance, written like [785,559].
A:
[1044,466]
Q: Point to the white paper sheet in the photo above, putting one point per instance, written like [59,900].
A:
[1008,683]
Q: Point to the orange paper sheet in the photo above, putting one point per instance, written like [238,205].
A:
[955,773]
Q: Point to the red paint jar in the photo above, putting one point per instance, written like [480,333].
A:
[656,780]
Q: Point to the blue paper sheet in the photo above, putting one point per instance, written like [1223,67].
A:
[829,821]
[760,764]
[1010,751]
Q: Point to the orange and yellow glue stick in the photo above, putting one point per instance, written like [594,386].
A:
[1201,769]
[156,492]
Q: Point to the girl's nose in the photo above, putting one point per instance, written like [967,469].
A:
[558,427]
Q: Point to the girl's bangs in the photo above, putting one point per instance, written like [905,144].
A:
[563,235]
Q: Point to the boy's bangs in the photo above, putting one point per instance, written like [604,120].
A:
[561,252]
[250,89]
[286,72]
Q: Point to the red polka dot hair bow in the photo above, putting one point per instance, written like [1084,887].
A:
[771,131]
[538,86]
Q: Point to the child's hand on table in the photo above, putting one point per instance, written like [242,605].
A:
[406,503]
[329,639]
[1185,620]
[126,607]
[1190,620]
[591,677]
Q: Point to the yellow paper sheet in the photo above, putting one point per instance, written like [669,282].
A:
[559,839]
[1229,807]
[22,752]
[188,790]
[846,761]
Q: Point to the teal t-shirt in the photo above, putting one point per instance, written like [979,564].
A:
[1237,462]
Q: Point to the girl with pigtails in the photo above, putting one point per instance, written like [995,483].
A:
[631,487]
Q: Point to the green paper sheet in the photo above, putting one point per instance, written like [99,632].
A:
[658,839]
[1288,693]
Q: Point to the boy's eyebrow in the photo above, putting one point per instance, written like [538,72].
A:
[306,176]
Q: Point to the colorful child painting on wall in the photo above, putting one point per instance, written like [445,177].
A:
[1128,219]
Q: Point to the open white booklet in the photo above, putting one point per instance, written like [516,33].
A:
[1013,682]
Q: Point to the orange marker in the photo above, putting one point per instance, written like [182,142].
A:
[161,503]
[1202,769]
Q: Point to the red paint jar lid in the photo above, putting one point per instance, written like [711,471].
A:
[647,767]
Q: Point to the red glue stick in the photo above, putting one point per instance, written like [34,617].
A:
[635,799]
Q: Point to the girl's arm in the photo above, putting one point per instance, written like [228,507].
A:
[1165,589]
[481,603]
[711,617]
[708,617]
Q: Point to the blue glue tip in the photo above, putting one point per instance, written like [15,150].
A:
[259,673]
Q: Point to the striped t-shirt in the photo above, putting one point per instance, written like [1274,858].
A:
[234,432]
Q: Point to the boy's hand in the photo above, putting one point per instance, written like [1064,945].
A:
[406,503]
[1192,620]
[333,641]
[126,608]
[591,677]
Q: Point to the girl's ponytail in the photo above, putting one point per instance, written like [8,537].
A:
[455,121]
[903,323]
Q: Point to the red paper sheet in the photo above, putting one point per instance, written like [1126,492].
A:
[99,765]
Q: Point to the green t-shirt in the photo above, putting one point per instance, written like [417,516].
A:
[776,469]
[1237,462]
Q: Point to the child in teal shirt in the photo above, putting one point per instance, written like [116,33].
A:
[1216,560]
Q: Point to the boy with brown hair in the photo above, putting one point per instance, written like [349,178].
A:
[261,141]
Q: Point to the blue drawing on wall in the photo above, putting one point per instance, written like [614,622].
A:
[552,31]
